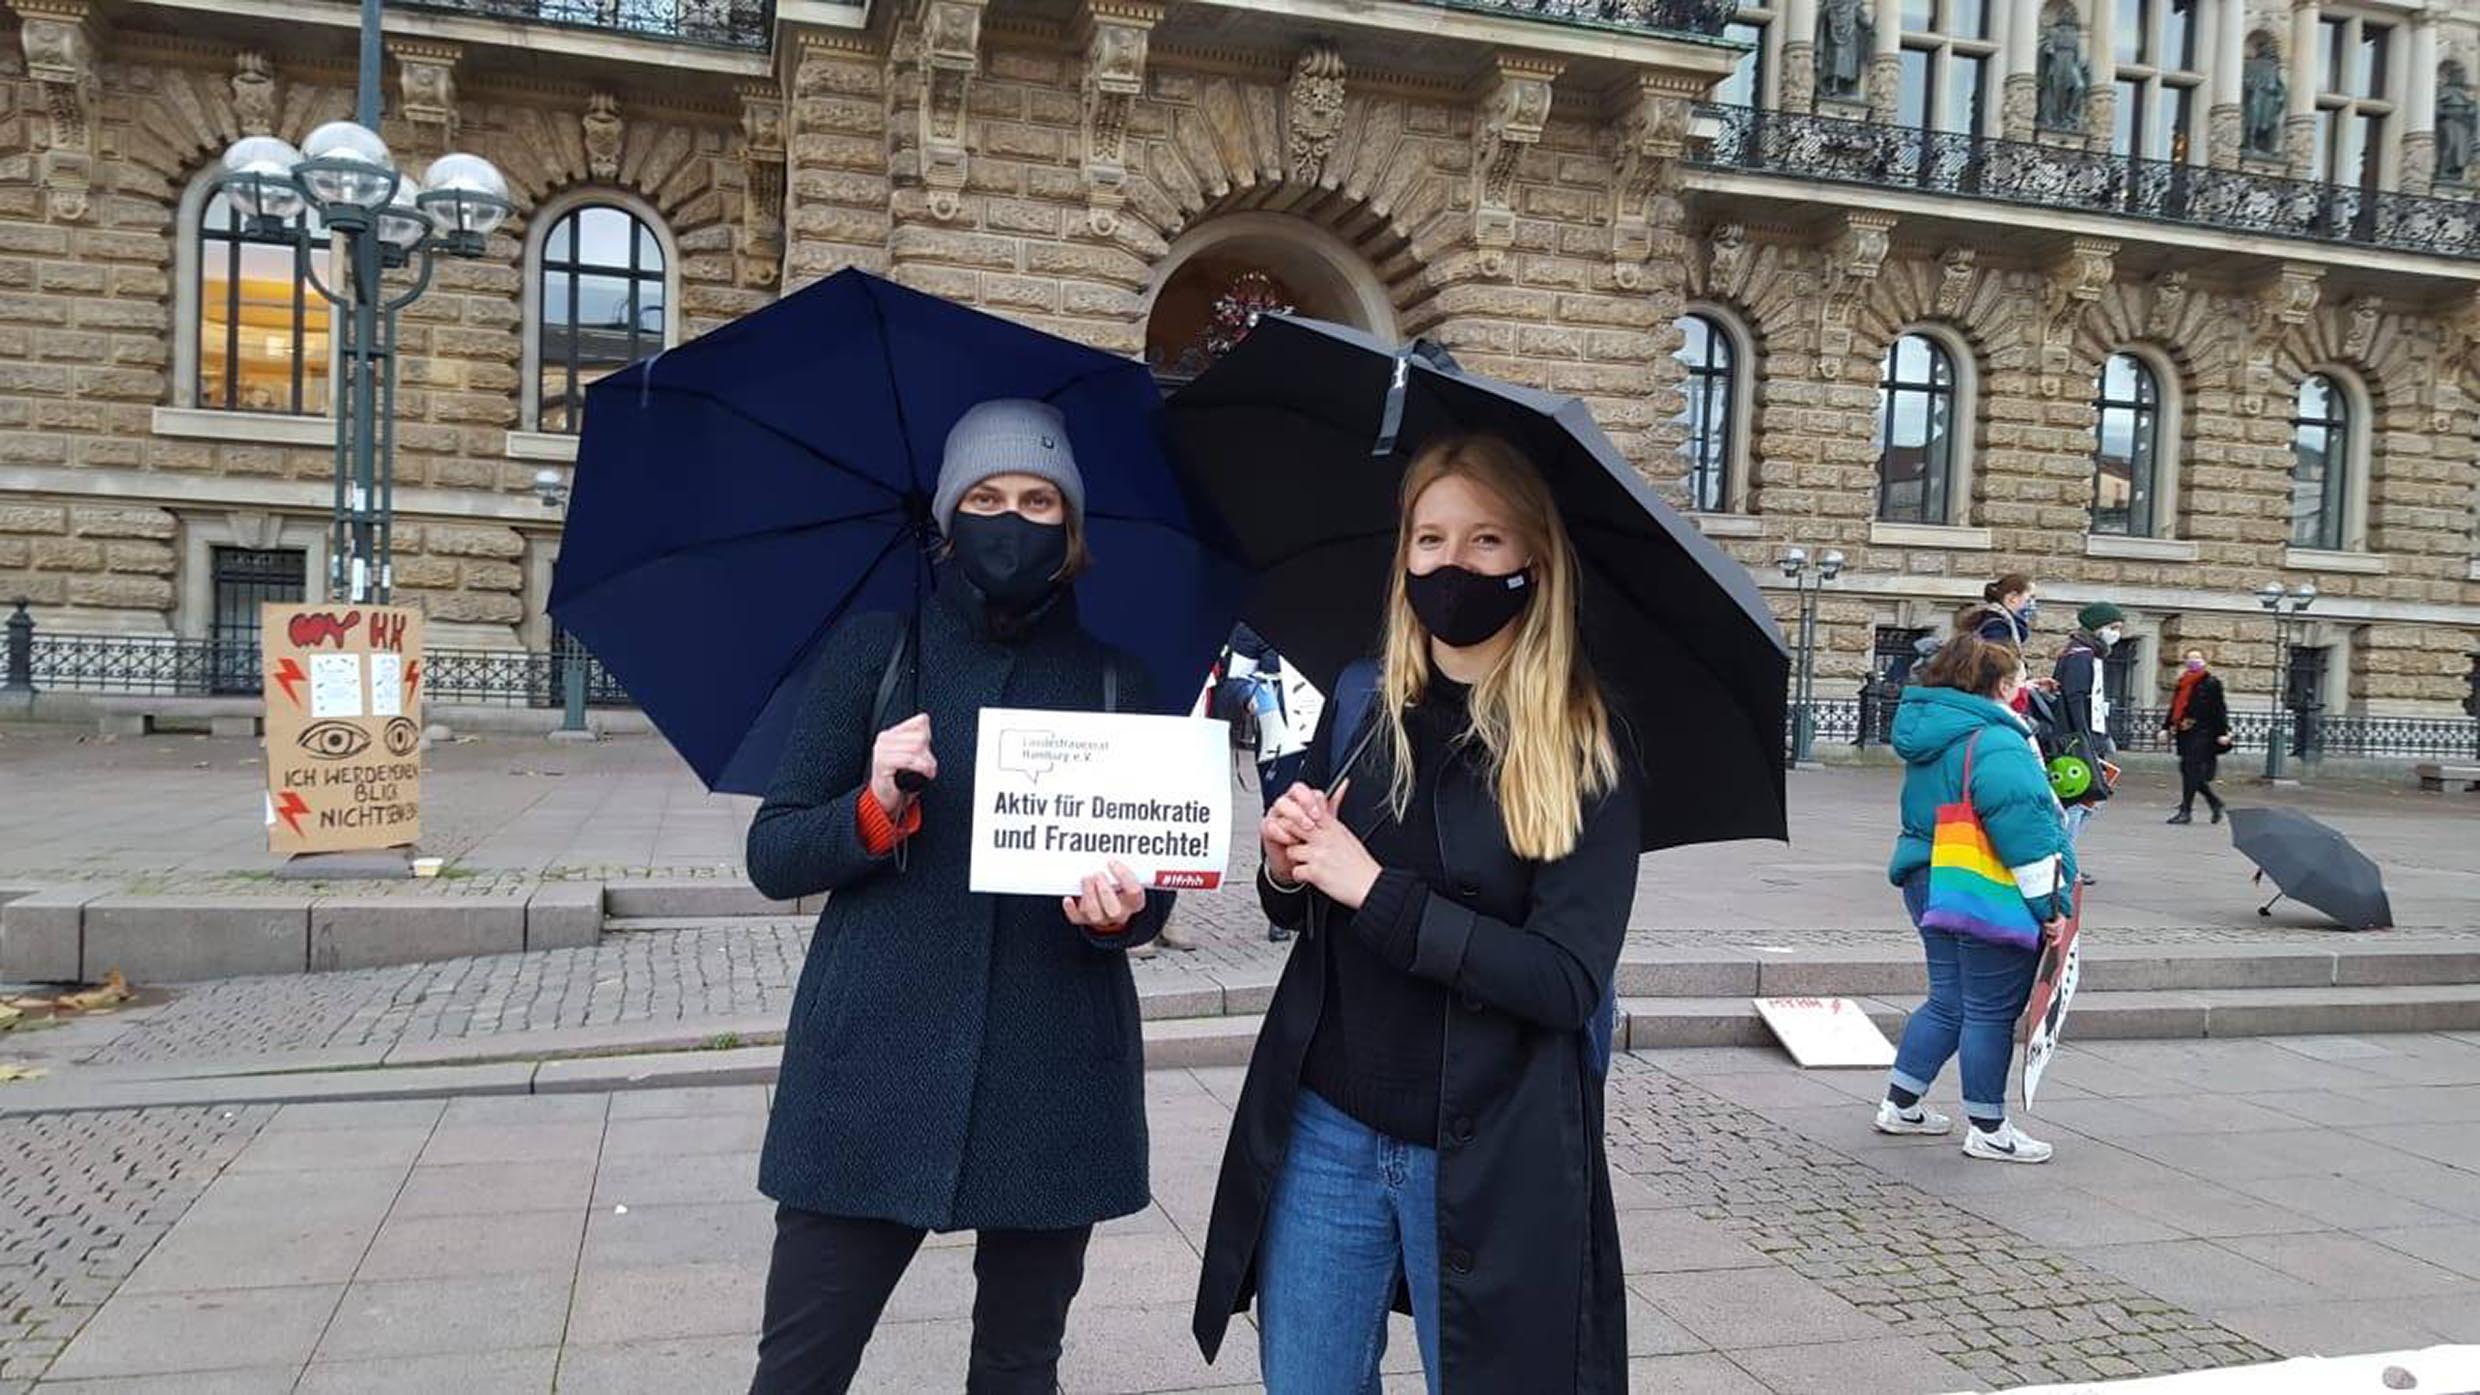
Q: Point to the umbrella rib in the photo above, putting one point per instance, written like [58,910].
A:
[783,531]
[836,615]
[773,430]
[895,393]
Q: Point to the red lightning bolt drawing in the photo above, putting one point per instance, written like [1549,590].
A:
[289,673]
[413,677]
[290,807]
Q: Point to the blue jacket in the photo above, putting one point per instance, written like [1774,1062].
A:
[2010,791]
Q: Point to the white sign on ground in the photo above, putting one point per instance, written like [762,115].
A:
[1826,1032]
[1057,796]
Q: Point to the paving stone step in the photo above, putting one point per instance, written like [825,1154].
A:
[706,900]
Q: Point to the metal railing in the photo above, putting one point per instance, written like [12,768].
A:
[1705,17]
[168,666]
[2063,177]
[739,24]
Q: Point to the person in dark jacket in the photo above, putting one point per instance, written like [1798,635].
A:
[2199,726]
[2008,607]
[1422,1119]
[953,1061]
[1960,739]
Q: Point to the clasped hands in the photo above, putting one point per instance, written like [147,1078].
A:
[1307,844]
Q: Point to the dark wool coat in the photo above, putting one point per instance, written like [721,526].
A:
[953,1061]
[1530,1296]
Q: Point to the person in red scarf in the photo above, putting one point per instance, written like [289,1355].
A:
[2199,724]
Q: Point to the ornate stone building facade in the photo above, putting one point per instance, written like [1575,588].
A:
[1886,277]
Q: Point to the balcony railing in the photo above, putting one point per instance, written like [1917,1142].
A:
[1945,162]
[740,24]
[164,666]
[1706,17]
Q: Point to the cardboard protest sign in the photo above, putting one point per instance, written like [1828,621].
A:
[344,726]
[1826,1032]
[2053,988]
[1057,796]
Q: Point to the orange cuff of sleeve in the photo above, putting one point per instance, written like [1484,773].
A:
[879,833]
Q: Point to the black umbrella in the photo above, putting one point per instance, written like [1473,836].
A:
[2313,865]
[1300,437]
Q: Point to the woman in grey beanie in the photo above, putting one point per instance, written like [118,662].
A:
[954,1061]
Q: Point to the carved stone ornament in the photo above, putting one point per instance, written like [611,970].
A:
[758,243]
[2359,325]
[59,44]
[2264,98]
[2169,304]
[1854,257]
[1512,118]
[2279,305]
[1726,258]
[603,136]
[1313,111]
[1957,270]
[951,56]
[1115,55]
[1652,132]
[426,82]
[2064,76]
[2076,282]
[253,529]
[254,94]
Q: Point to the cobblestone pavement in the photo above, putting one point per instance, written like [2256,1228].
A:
[1994,1303]
[83,1198]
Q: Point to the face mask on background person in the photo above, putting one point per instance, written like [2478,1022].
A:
[1012,560]
[1463,608]
[2195,665]
[2030,612]
[2109,635]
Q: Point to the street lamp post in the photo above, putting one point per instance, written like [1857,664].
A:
[1808,578]
[342,184]
[2285,605]
[552,488]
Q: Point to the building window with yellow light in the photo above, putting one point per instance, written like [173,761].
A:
[263,340]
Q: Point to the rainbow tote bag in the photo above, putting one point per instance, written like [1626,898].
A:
[1971,892]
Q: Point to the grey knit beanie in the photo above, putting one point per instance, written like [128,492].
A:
[1006,436]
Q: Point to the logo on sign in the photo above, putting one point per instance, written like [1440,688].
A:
[1187,881]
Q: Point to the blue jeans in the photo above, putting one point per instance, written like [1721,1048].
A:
[1976,991]
[1350,1205]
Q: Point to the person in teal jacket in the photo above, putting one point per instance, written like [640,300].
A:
[1977,986]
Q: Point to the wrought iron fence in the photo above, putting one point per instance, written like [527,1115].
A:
[1868,720]
[1946,162]
[168,666]
[1662,16]
[743,24]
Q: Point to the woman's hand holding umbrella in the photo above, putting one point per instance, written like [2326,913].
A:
[902,751]
[1331,857]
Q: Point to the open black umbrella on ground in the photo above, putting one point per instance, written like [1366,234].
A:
[2313,865]
[1281,436]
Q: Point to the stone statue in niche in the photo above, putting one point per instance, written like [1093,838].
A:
[1844,36]
[2063,74]
[2458,121]
[2264,99]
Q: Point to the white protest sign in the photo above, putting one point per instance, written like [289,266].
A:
[1057,796]
[1826,1032]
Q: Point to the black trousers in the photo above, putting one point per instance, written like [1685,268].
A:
[2197,762]
[831,1275]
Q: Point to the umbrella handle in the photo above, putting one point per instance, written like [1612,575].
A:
[2266,910]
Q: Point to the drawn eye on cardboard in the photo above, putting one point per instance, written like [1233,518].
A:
[401,736]
[333,740]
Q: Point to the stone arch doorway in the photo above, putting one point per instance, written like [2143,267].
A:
[1225,268]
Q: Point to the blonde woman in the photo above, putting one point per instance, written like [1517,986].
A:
[1422,1122]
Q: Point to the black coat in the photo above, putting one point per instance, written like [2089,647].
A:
[1530,1294]
[2205,721]
[953,1061]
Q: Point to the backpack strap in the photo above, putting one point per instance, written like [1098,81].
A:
[1349,735]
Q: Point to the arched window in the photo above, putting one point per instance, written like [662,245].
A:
[262,328]
[1710,363]
[1916,432]
[2320,464]
[2127,448]
[600,305]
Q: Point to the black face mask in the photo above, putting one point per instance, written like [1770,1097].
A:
[1463,608]
[1012,560]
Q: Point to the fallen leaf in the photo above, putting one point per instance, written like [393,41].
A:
[8,1016]
[11,1072]
[114,989]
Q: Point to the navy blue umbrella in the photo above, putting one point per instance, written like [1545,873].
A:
[737,496]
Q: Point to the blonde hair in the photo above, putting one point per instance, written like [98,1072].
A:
[1537,712]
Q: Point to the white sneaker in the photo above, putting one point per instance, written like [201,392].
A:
[2006,1143]
[1919,1119]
